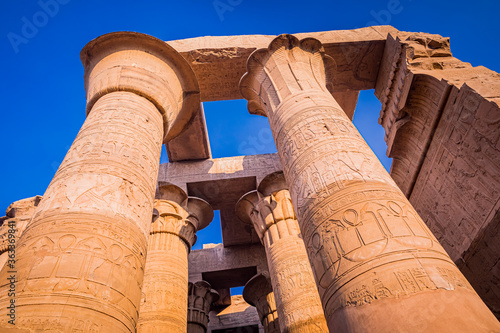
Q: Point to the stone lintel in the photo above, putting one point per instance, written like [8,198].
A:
[193,143]
[219,62]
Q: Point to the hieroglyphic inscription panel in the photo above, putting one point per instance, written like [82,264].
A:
[349,208]
[457,191]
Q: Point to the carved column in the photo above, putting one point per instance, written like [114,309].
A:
[81,259]
[258,292]
[200,299]
[164,301]
[271,212]
[377,265]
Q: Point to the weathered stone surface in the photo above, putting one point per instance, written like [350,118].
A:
[226,168]
[271,212]
[224,264]
[416,75]
[23,209]
[441,121]
[16,218]
[375,261]
[239,316]
[258,292]
[481,265]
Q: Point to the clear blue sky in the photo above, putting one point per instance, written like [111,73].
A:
[42,93]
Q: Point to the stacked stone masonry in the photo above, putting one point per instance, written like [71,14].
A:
[321,237]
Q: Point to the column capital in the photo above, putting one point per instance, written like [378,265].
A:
[287,66]
[272,183]
[200,299]
[146,66]
[174,212]
[258,292]
[249,208]
[268,208]
[265,211]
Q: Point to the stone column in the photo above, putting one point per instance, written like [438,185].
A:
[164,301]
[377,266]
[81,258]
[200,299]
[271,212]
[258,292]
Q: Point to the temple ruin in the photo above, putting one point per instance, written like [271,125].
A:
[322,238]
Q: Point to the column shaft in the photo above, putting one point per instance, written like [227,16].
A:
[365,241]
[297,300]
[165,291]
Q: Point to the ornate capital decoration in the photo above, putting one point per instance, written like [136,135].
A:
[286,66]
[200,299]
[268,206]
[176,213]
[264,211]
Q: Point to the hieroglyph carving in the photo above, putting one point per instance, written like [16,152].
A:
[88,237]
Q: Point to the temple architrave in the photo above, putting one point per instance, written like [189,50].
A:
[322,238]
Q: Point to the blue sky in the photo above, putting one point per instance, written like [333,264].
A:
[42,94]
